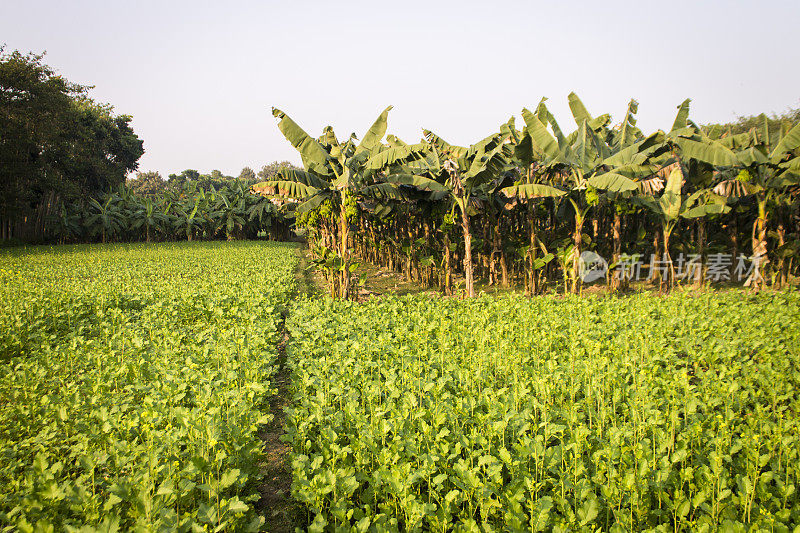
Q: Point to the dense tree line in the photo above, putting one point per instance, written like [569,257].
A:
[63,165]
[523,205]
[152,184]
[57,145]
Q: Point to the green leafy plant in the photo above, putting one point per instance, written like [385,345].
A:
[134,384]
[633,413]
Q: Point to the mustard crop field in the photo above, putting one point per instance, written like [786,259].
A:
[640,413]
[134,379]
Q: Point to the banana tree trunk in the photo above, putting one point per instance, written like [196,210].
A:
[531,274]
[782,274]
[759,246]
[656,248]
[490,236]
[733,233]
[577,239]
[617,253]
[503,267]
[428,270]
[498,257]
[701,249]
[410,254]
[448,267]
[344,230]
[668,260]
[467,252]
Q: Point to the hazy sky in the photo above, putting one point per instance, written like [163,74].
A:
[199,78]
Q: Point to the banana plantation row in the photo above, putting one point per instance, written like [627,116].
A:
[524,204]
[191,212]
[518,207]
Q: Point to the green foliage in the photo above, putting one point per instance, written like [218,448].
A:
[511,414]
[247,174]
[232,211]
[271,170]
[775,123]
[134,383]
[55,142]
[351,207]
[147,184]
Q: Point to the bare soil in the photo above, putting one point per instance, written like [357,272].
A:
[280,511]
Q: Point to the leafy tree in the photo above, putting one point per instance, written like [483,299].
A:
[147,183]
[776,124]
[217,175]
[270,170]
[178,181]
[57,145]
[247,174]
[35,111]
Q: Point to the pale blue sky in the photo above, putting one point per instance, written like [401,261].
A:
[199,77]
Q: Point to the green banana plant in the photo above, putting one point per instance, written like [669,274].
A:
[333,170]
[591,159]
[260,209]
[756,168]
[533,186]
[672,206]
[107,218]
[148,216]
[455,174]
[67,224]
[743,165]
[168,215]
[188,220]
[231,210]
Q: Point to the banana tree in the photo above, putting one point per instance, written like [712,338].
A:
[167,214]
[231,210]
[188,220]
[333,170]
[757,169]
[67,224]
[455,173]
[533,186]
[260,212]
[672,206]
[148,216]
[591,159]
[698,157]
[106,218]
